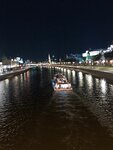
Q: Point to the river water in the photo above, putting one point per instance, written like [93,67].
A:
[34,117]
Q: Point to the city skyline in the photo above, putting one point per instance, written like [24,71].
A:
[34,29]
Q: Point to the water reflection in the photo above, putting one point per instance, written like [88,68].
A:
[16,86]
[73,77]
[110,89]
[64,70]
[69,74]
[89,81]
[98,99]
[3,86]
[7,82]
[80,76]
[98,95]
[103,86]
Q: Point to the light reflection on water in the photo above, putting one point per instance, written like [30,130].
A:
[73,77]
[103,86]
[33,117]
[97,95]
[80,75]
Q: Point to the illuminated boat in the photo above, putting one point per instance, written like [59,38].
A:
[60,83]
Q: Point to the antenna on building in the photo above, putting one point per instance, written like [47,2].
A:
[49,59]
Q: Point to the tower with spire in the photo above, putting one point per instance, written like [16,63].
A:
[49,59]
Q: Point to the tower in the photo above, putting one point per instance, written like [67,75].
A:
[49,59]
[88,57]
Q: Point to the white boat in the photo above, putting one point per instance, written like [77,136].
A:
[60,83]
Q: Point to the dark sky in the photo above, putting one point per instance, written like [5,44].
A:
[33,28]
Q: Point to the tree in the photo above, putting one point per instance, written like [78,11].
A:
[6,61]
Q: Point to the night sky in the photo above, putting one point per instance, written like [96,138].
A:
[33,28]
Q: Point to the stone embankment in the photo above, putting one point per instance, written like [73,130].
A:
[97,71]
[108,75]
[12,73]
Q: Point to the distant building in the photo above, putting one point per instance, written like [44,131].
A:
[92,53]
[88,58]
[98,51]
[100,56]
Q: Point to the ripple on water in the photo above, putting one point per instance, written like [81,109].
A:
[34,117]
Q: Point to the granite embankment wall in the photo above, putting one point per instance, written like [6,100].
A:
[97,72]
[12,74]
